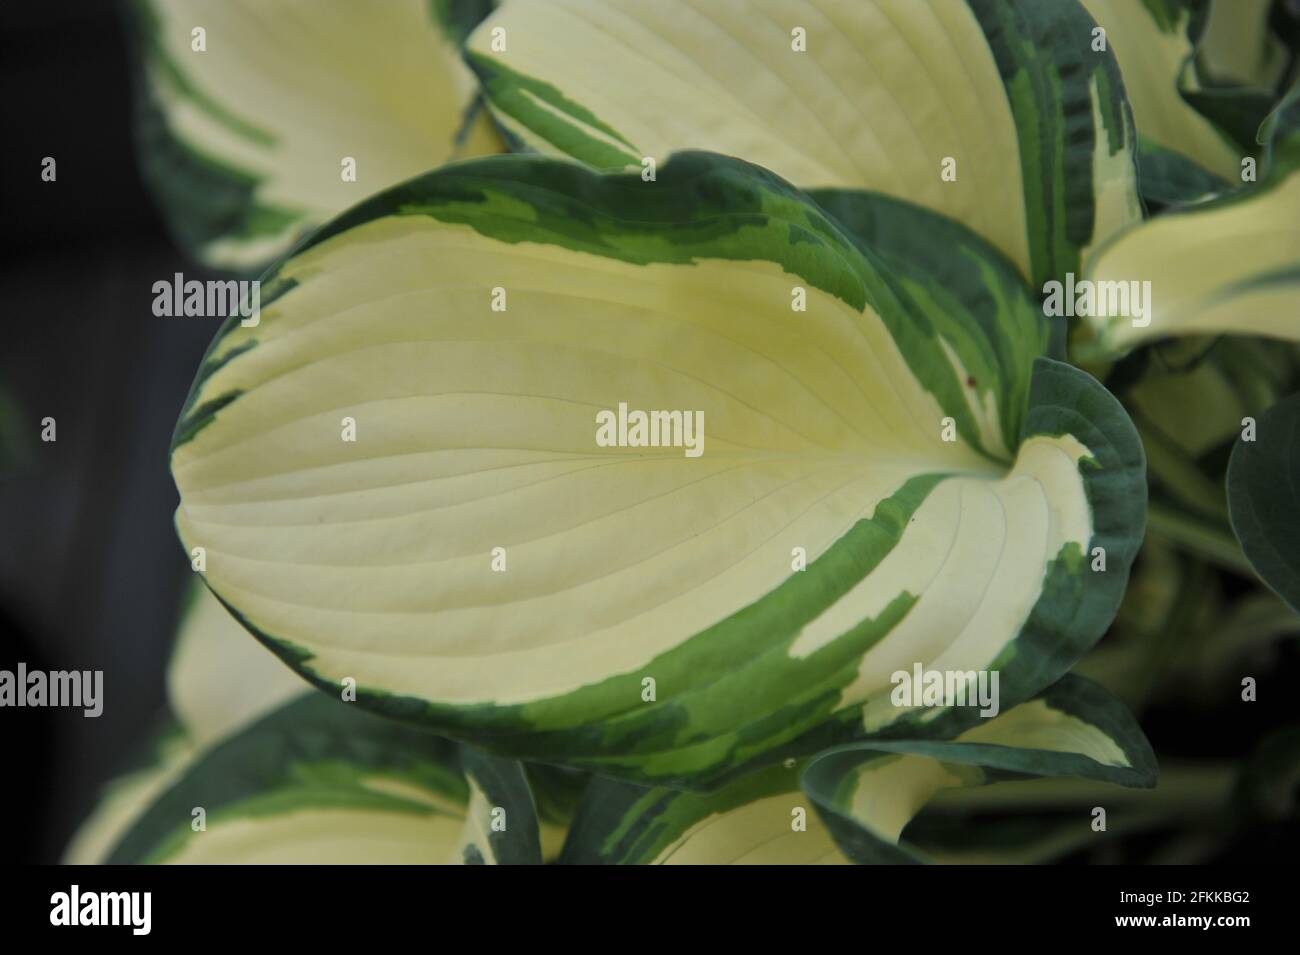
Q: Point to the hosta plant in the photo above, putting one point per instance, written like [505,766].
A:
[817,243]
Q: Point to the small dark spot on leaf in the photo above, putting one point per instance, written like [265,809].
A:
[970,381]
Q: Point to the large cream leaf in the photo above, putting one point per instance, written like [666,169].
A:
[397,484]
[878,96]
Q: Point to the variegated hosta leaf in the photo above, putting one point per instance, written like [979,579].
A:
[873,95]
[1198,75]
[557,792]
[218,680]
[320,781]
[397,483]
[1231,265]
[766,818]
[868,792]
[221,684]
[499,796]
[1264,497]
[125,798]
[1238,45]
[959,285]
[1154,43]
[245,140]
[761,818]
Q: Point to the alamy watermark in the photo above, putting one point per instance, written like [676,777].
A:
[922,687]
[211,299]
[76,688]
[75,907]
[1089,298]
[651,429]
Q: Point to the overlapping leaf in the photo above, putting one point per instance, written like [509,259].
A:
[218,681]
[762,818]
[872,95]
[122,801]
[869,791]
[1231,265]
[1183,155]
[319,781]
[862,794]
[284,774]
[245,127]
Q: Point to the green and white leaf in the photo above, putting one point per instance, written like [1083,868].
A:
[475,430]
[1239,47]
[243,142]
[1264,498]
[959,284]
[219,681]
[123,800]
[762,818]
[1154,43]
[1230,266]
[765,818]
[884,92]
[1199,75]
[317,781]
[557,792]
[501,824]
[868,792]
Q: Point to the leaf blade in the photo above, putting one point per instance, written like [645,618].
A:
[1008,87]
[373,559]
[1264,498]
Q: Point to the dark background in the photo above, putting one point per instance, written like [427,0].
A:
[90,568]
